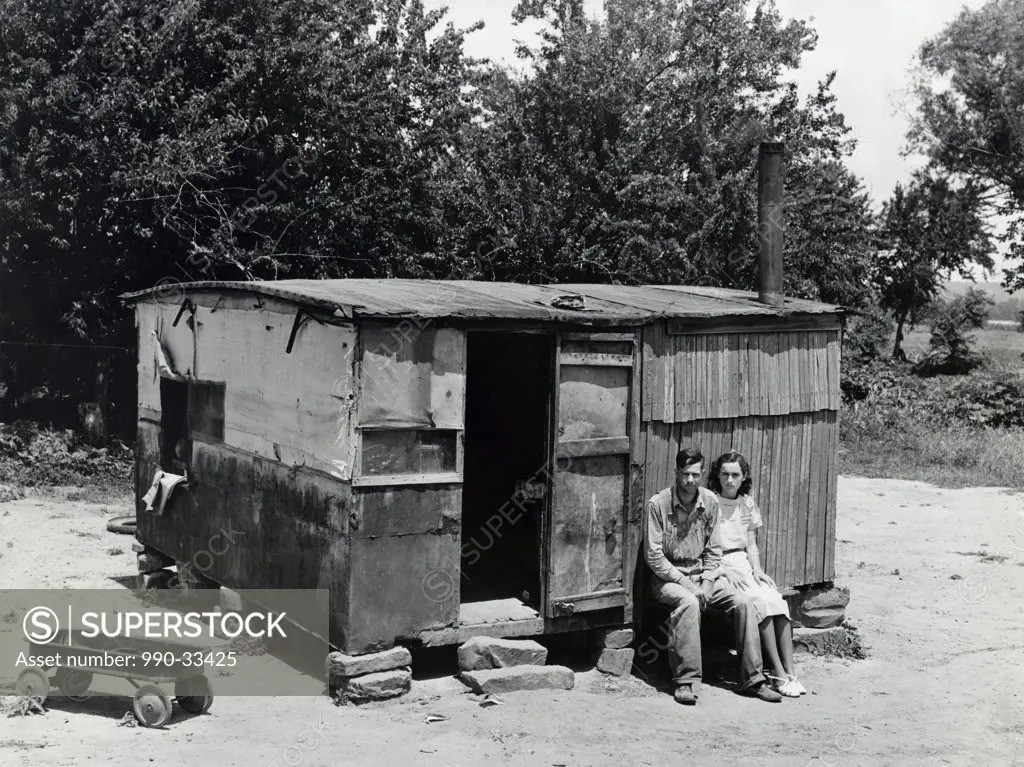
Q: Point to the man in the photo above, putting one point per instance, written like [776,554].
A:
[685,559]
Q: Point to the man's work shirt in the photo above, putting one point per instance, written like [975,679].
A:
[680,546]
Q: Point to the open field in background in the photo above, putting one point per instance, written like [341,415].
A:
[1004,344]
[895,437]
[952,457]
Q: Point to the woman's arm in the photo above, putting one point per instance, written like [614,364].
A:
[755,560]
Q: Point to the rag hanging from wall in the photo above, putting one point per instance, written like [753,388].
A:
[160,491]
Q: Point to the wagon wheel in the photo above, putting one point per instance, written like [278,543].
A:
[32,684]
[151,706]
[123,525]
[194,695]
[74,683]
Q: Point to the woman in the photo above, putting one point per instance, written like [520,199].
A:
[738,521]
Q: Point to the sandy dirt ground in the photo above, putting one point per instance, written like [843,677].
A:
[937,583]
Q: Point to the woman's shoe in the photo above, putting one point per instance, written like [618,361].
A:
[783,686]
[795,684]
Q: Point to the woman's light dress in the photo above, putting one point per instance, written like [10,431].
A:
[736,518]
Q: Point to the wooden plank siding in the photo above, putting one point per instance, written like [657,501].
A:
[706,375]
[793,482]
[771,392]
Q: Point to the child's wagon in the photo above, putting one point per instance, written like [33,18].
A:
[77,658]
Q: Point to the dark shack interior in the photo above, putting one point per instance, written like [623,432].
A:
[508,389]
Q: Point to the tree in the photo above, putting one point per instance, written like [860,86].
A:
[629,153]
[928,231]
[174,140]
[970,118]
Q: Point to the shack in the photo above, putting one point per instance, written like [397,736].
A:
[461,458]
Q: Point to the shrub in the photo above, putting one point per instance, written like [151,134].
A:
[31,455]
[867,335]
[865,378]
[950,347]
[995,401]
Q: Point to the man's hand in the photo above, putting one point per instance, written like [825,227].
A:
[697,591]
[762,577]
[733,579]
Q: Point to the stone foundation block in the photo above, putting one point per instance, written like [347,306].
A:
[614,639]
[380,685]
[481,653]
[516,678]
[820,609]
[151,561]
[158,579]
[341,666]
[618,662]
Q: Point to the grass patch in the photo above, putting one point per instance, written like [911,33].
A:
[112,493]
[10,492]
[983,557]
[947,456]
[13,705]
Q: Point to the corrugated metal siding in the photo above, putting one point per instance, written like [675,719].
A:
[728,375]
[602,304]
[792,457]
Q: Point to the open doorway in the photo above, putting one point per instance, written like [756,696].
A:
[508,397]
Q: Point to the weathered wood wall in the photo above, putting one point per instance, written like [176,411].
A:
[774,396]
[252,523]
[294,408]
[693,376]
[280,480]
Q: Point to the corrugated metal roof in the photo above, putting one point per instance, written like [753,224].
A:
[601,304]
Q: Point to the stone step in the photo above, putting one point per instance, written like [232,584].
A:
[516,678]
[481,653]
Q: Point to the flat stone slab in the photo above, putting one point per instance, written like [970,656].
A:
[341,666]
[819,609]
[381,685]
[481,653]
[516,678]
[618,662]
[615,639]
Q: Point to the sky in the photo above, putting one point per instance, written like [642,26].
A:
[869,43]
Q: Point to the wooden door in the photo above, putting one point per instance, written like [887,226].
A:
[593,435]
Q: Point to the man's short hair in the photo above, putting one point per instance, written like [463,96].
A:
[688,457]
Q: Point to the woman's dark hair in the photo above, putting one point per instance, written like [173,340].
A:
[688,457]
[715,484]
